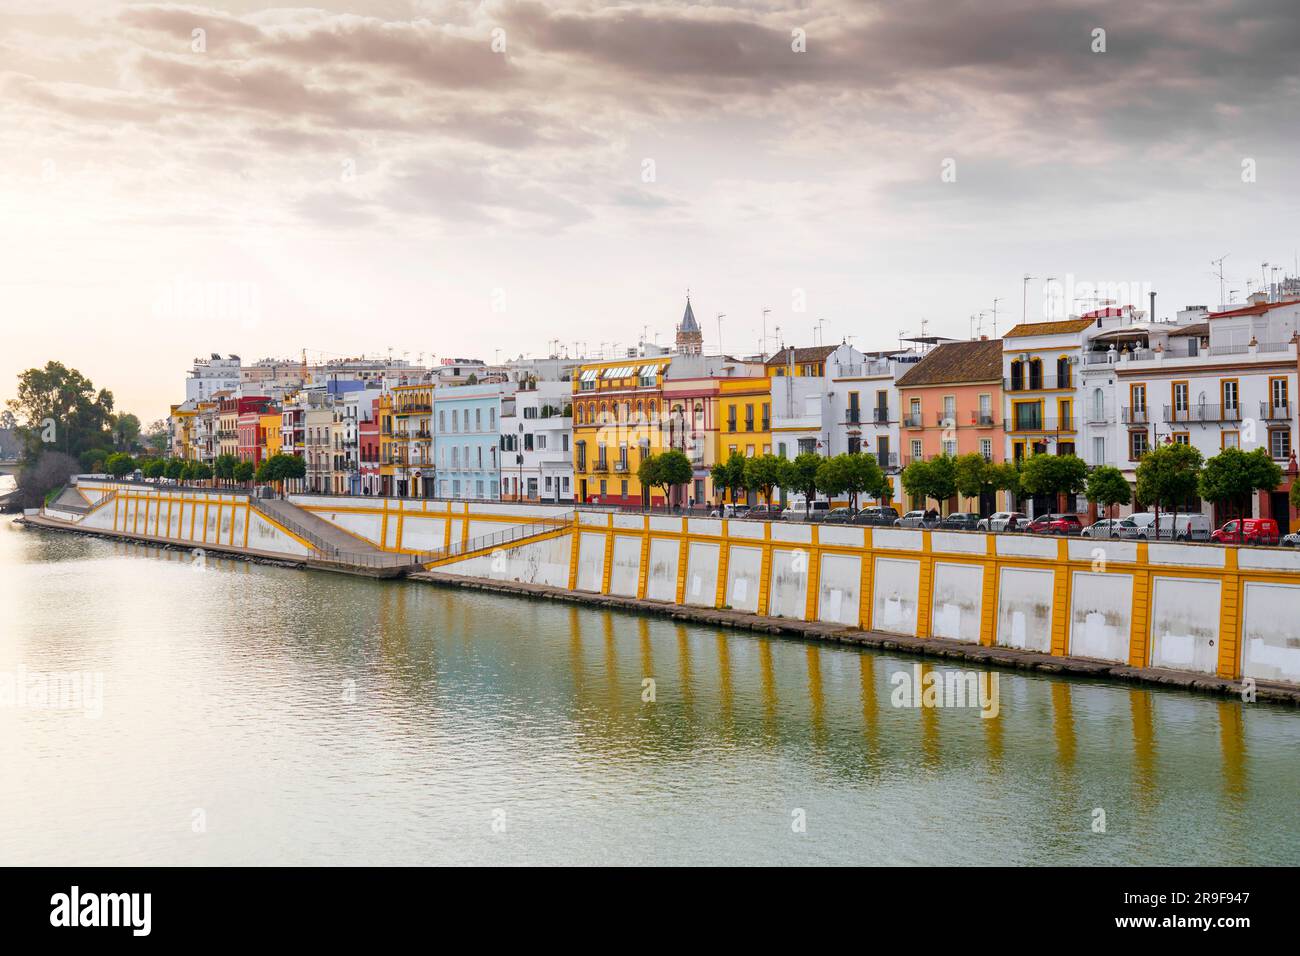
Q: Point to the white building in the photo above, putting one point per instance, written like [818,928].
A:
[536,442]
[212,375]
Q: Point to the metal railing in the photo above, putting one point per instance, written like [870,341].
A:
[1203,413]
[1036,383]
[498,538]
[1274,411]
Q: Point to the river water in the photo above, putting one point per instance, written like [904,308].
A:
[254,714]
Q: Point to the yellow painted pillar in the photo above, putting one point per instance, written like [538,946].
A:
[643,574]
[814,576]
[989,602]
[865,595]
[683,555]
[248,519]
[608,574]
[576,542]
[925,588]
[1140,619]
[1061,600]
[765,570]
[1231,613]
[724,556]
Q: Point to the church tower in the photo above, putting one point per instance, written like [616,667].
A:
[690,340]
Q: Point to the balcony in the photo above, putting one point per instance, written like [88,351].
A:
[887,460]
[946,419]
[620,467]
[1134,416]
[1203,413]
[1048,423]
[1037,383]
[853,416]
[413,408]
[982,419]
[880,416]
[912,421]
[600,465]
[1273,412]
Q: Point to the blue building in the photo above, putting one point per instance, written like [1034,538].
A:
[467,439]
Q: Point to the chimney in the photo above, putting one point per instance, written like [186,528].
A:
[1152,316]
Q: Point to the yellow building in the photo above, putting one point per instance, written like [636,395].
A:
[800,363]
[744,418]
[412,414]
[618,421]
[391,453]
[181,422]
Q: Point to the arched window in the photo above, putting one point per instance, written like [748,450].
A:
[1063,372]
[1017,375]
[1035,373]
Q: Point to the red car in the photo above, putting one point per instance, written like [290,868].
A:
[1055,524]
[1247,531]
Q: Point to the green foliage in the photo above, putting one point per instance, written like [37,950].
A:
[119,464]
[175,468]
[1045,474]
[1108,487]
[1233,475]
[280,468]
[155,468]
[799,474]
[975,476]
[832,476]
[201,471]
[224,466]
[244,471]
[126,431]
[665,470]
[1168,474]
[58,409]
[729,475]
[934,478]
[762,474]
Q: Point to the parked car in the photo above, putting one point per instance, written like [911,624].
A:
[798,512]
[1291,540]
[725,511]
[1247,531]
[960,521]
[881,516]
[999,521]
[838,516]
[917,519]
[1184,526]
[1055,524]
[1109,528]
[1141,525]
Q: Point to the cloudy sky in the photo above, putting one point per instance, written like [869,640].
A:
[479,179]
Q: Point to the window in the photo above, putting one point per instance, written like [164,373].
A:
[1098,451]
[731,418]
[780,449]
[1182,438]
[1138,398]
[1277,396]
[749,418]
[1137,445]
[1180,400]
[917,454]
[986,448]
[950,447]
[1231,440]
[807,446]
[950,409]
[1229,391]
[1279,443]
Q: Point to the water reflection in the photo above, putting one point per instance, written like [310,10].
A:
[387,720]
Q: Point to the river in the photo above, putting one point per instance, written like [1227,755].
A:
[266,715]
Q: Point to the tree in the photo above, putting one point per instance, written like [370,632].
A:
[976,476]
[244,472]
[832,476]
[155,468]
[864,476]
[799,475]
[763,473]
[175,468]
[666,471]
[1108,487]
[119,463]
[224,466]
[281,468]
[38,478]
[934,478]
[58,409]
[126,431]
[729,475]
[1232,476]
[157,436]
[1056,475]
[201,471]
[1168,474]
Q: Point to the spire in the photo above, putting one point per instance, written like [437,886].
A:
[688,318]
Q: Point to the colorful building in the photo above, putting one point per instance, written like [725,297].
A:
[467,439]
[413,461]
[618,421]
[1040,384]
[951,404]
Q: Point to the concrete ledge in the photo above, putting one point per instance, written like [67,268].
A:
[931,647]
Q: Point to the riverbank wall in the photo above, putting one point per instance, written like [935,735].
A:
[1201,615]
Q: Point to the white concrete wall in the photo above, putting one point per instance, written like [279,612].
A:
[744,569]
[958,601]
[419,533]
[702,574]
[839,589]
[897,539]
[1025,608]
[591,561]
[787,589]
[895,591]
[1271,632]
[625,575]
[1101,614]
[535,562]
[1026,545]
[1185,623]
[661,580]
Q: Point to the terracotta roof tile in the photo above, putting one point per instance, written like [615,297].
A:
[1049,328]
[954,362]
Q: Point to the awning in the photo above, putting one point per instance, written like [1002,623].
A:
[590,374]
[649,369]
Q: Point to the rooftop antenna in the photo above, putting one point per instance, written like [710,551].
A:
[1263,279]
[762,348]
[721,316]
[1219,262]
[1047,279]
[821,332]
[995,316]
[1024,298]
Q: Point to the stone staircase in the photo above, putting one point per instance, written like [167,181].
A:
[330,543]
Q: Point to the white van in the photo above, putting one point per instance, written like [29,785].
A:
[797,510]
[1183,526]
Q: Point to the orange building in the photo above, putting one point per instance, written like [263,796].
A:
[951,402]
